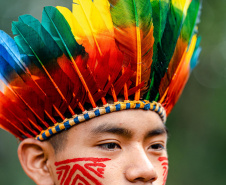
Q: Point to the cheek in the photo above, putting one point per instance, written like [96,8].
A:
[164,166]
[81,171]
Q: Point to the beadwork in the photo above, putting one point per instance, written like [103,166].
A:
[68,123]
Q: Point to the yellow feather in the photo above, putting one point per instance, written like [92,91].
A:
[96,22]
[104,8]
[76,29]
[182,5]
[93,18]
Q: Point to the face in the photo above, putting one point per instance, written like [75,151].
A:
[125,147]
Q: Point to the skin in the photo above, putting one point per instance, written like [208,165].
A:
[127,145]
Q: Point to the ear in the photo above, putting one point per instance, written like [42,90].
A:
[33,156]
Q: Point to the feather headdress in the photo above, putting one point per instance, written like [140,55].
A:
[56,70]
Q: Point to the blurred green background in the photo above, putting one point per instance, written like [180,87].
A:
[197,143]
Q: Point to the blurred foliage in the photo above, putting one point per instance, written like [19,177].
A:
[197,123]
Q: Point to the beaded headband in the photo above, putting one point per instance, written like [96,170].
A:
[145,105]
[53,71]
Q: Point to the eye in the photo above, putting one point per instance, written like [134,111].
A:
[157,147]
[109,146]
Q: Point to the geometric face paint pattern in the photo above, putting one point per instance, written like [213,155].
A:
[81,171]
[164,163]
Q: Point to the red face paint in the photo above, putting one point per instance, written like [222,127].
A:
[81,171]
[164,163]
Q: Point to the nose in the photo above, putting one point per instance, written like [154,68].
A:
[140,168]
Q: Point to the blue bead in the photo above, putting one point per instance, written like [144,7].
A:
[58,128]
[127,105]
[147,106]
[108,110]
[137,106]
[76,120]
[50,131]
[97,112]
[86,116]
[44,136]
[118,107]
[158,110]
[67,125]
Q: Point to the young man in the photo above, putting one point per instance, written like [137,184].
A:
[88,92]
[123,147]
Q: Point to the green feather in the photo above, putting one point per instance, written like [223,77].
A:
[191,20]
[165,49]
[160,10]
[37,51]
[133,32]
[172,31]
[44,35]
[32,44]
[55,23]
[126,13]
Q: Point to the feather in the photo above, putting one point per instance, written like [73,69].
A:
[13,129]
[182,45]
[10,52]
[195,56]
[142,49]
[21,90]
[57,26]
[14,118]
[7,114]
[13,75]
[191,20]
[87,16]
[119,84]
[134,36]
[160,10]
[45,61]
[95,19]
[15,112]
[165,48]
[177,84]
[61,59]
[93,24]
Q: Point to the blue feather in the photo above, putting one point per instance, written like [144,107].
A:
[10,52]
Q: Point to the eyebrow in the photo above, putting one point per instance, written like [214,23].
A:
[105,128]
[156,132]
[126,133]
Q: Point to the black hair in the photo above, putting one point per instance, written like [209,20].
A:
[58,141]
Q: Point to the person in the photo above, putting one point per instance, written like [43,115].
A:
[88,92]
